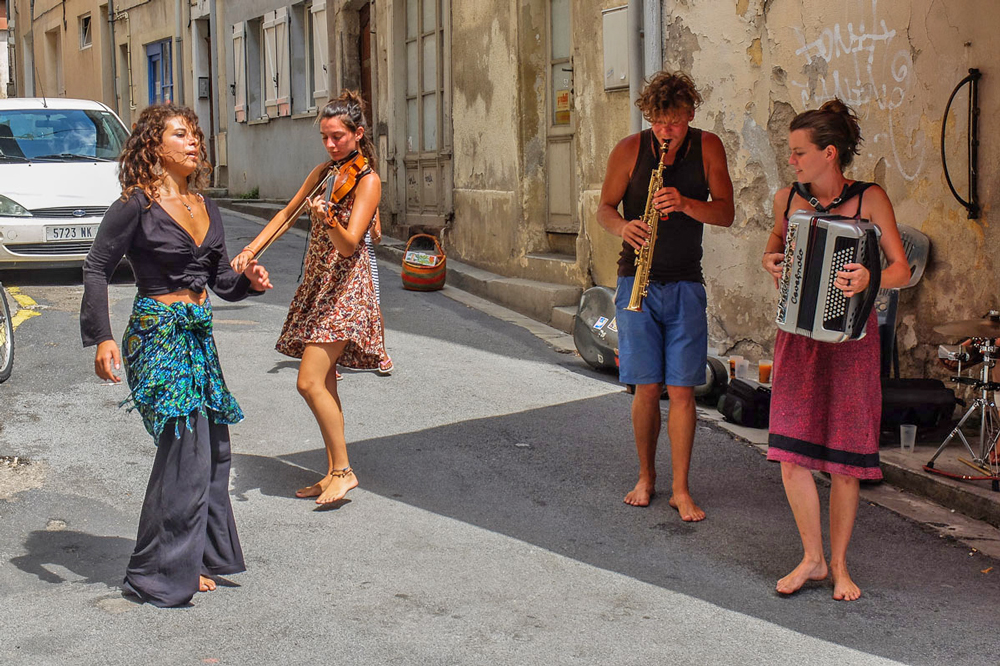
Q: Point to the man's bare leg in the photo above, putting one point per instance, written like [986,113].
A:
[681,422]
[843,509]
[646,424]
[800,488]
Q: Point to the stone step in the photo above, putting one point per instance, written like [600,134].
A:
[563,318]
[552,267]
[529,297]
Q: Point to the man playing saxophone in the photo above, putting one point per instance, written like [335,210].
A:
[665,343]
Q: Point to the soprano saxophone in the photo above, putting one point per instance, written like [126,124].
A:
[644,255]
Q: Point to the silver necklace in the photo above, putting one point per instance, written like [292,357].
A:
[184,203]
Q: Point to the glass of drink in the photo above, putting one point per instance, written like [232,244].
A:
[734,361]
[764,371]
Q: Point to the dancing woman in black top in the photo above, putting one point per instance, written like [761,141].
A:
[175,242]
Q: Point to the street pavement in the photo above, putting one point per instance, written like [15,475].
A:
[488,527]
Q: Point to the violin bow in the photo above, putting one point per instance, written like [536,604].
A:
[328,172]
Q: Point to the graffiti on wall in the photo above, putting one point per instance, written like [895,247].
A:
[867,65]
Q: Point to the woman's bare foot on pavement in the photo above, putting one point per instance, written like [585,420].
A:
[341,481]
[641,494]
[689,511]
[807,570]
[844,589]
[315,490]
[205,584]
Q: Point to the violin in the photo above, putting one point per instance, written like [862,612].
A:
[347,175]
[345,178]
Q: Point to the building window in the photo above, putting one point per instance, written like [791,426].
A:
[306,56]
[161,73]
[424,82]
[86,39]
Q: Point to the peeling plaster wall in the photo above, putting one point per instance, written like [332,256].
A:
[760,62]
[500,112]
[485,103]
[603,120]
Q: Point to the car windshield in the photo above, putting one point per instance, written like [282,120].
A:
[59,135]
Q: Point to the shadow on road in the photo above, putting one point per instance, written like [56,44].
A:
[95,559]
[552,477]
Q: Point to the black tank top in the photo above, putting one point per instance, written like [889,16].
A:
[677,252]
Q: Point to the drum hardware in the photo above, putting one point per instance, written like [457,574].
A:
[989,417]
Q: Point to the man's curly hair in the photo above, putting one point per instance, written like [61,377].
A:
[139,163]
[667,92]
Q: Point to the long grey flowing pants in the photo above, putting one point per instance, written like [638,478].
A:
[186,527]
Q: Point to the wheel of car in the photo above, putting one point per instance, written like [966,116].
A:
[6,339]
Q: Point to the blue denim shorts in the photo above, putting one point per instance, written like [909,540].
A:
[666,343]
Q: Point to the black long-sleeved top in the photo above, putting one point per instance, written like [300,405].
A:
[164,259]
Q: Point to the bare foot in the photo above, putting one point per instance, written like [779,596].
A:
[807,570]
[315,490]
[205,584]
[641,494]
[844,589]
[690,512]
[340,483]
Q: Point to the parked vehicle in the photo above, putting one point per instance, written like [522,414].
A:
[6,338]
[58,174]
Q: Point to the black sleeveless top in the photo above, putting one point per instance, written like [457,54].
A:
[677,252]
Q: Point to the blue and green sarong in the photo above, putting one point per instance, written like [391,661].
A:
[172,366]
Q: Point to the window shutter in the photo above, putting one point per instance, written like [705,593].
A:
[321,51]
[240,71]
[269,66]
[283,67]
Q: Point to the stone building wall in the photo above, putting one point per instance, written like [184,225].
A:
[895,62]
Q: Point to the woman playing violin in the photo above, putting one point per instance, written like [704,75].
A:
[334,317]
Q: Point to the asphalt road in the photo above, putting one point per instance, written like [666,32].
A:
[488,527]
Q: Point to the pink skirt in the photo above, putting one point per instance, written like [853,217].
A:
[826,404]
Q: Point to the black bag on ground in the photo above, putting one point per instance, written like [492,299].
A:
[746,403]
[926,403]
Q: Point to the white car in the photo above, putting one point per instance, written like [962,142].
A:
[58,174]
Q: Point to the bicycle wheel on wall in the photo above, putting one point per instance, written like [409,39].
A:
[6,339]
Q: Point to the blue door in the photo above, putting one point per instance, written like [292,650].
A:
[161,76]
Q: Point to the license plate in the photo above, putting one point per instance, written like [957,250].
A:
[71,232]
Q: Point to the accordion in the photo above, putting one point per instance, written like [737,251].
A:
[816,247]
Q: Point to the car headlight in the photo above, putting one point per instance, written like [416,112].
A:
[10,208]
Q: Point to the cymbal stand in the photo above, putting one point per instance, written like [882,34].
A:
[989,420]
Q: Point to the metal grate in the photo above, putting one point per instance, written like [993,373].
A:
[51,249]
[70,211]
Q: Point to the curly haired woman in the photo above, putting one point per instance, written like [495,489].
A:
[175,242]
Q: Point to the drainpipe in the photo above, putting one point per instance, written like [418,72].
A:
[653,36]
[635,70]
[178,52]
[214,60]
[114,53]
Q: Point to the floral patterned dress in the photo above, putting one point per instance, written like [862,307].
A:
[336,300]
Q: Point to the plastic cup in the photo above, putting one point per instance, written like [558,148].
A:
[733,362]
[764,371]
[907,437]
[743,369]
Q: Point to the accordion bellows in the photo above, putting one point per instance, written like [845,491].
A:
[817,246]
